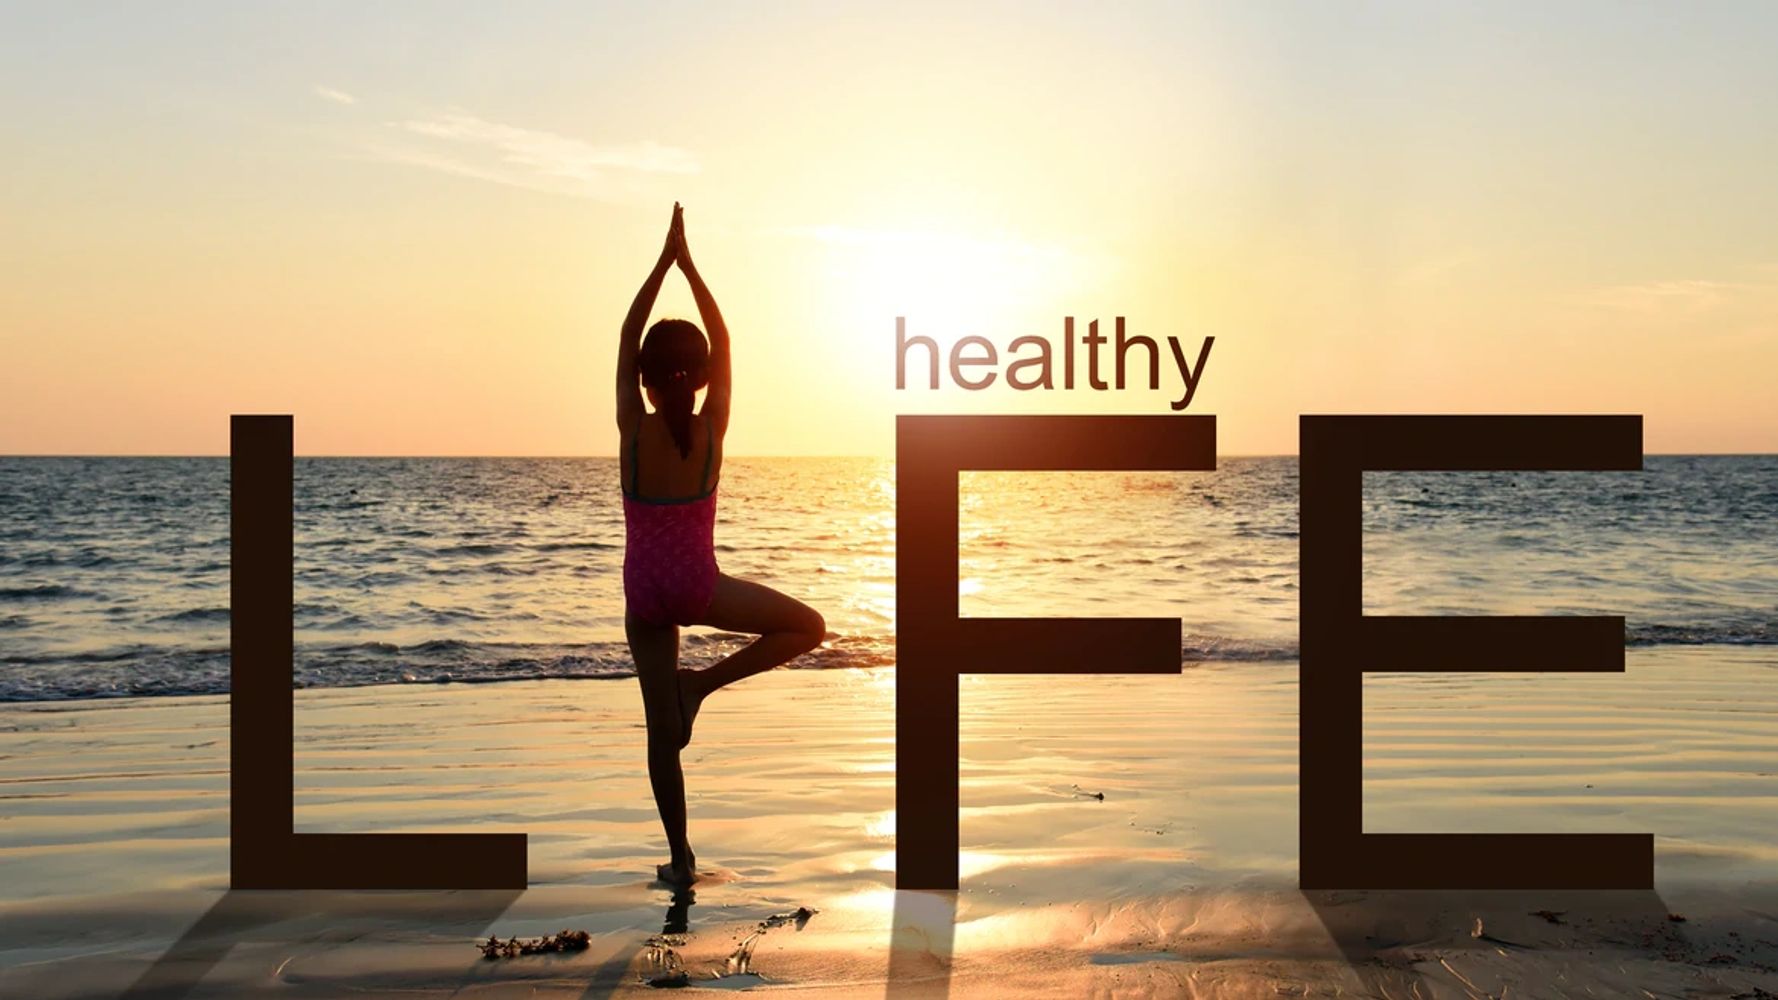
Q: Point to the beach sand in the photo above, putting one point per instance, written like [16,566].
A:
[1180,881]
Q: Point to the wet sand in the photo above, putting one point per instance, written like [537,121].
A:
[1180,881]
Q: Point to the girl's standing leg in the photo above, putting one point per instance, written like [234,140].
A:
[656,651]
[786,628]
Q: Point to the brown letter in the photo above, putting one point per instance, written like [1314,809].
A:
[1185,371]
[1093,340]
[934,645]
[1340,644]
[1042,363]
[958,361]
[902,343]
[265,851]
[1123,348]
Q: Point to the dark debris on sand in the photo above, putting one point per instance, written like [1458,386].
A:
[662,953]
[671,973]
[561,941]
[740,961]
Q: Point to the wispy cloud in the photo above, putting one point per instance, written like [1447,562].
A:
[551,153]
[917,241]
[1677,294]
[1738,311]
[468,146]
[327,93]
[1435,269]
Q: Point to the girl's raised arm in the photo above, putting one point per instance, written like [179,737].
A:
[716,400]
[629,341]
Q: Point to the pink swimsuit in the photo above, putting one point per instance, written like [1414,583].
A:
[669,551]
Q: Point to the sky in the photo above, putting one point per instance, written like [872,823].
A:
[418,226]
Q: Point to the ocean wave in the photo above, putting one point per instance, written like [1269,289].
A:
[148,671]
[1223,649]
[195,616]
[472,549]
[84,559]
[1736,634]
[45,592]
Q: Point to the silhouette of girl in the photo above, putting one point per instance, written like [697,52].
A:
[670,461]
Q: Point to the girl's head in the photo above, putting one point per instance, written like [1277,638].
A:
[675,363]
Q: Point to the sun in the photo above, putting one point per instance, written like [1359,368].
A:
[949,281]
[946,283]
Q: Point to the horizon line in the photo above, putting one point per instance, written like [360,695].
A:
[1252,454]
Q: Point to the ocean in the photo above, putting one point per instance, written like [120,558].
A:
[114,571]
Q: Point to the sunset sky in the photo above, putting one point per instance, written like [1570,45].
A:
[418,226]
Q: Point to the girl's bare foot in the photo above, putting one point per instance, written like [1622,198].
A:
[678,873]
[691,698]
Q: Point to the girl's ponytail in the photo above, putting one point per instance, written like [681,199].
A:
[676,398]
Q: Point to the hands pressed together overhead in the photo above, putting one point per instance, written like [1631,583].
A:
[675,251]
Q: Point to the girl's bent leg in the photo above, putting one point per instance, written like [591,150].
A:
[786,628]
[656,651]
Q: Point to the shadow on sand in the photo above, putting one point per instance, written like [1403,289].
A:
[293,919]
[1383,934]
[921,938]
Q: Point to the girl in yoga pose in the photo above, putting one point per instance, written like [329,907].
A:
[670,462]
